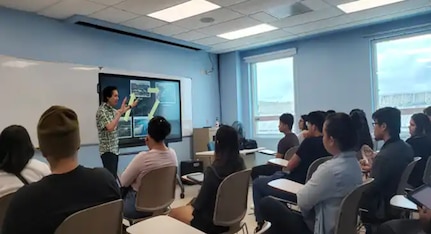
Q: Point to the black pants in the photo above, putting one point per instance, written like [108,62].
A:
[110,162]
[264,170]
[283,219]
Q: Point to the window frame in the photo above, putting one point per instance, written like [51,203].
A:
[254,103]
[374,68]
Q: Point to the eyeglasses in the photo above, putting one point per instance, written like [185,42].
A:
[375,123]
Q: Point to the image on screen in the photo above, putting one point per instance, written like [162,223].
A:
[156,97]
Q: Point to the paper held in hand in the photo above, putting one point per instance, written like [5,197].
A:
[131,100]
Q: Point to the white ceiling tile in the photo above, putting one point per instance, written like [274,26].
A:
[107,2]
[169,30]
[316,25]
[67,8]
[144,23]
[308,17]
[264,17]
[190,36]
[229,26]
[220,15]
[145,7]
[113,15]
[226,3]
[210,41]
[255,6]
[316,5]
[28,5]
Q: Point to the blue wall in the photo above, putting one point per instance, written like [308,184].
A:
[332,71]
[27,35]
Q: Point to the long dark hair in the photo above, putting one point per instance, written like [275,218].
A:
[226,147]
[360,122]
[16,149]
[423,124]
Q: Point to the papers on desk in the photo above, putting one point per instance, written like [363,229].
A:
[286,185]
[279,161]
[268,152]
[197,177]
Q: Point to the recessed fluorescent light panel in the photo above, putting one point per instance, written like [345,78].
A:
[245,32]
[184,10]
[364,5]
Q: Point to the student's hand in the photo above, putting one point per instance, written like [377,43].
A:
[123,107]
[365,166]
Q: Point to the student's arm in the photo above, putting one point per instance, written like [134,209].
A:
[301,152]
[132,171]
[111,125]
[208,189]
[318,188]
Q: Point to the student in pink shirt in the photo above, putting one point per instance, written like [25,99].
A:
[158,156]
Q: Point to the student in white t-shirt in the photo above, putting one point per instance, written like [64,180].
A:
[158,156]
[16,164]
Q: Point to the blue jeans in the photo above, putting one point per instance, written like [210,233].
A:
[129,207]
[261,189]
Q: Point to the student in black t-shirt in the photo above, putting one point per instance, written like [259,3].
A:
[288,141]
[42,206]
[310,149]
[200,212]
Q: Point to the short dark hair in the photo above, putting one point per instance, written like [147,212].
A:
[107,92]
[287,118]
[159,128]
[341,127]
[427,111]
[317,118]
[390,116]
[16,149]
[423,124]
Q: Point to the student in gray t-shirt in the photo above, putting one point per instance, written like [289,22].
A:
[288,141]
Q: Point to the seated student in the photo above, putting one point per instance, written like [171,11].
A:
[16,164]
[320,199]
[360,121]
[310,149]
[158,156]
[42,206]
[199,213]
[302,125]
[288,141]
[420,141]
[427,111]
[388,165]
[409,226]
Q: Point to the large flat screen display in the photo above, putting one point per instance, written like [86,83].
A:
[156,97]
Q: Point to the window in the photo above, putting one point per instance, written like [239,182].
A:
[273,93]
[403,75]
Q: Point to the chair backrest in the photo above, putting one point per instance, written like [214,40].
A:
[427,172]
[313,167]
[405,176]
[4,203]
[347,219]
[157,189]
[289,153]
[231,200]
[106,218]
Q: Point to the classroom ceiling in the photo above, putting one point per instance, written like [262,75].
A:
[292,18]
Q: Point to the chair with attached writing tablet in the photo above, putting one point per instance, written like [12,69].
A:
[101,219]
[231,201]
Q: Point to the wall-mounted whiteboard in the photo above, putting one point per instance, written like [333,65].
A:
[29,87]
